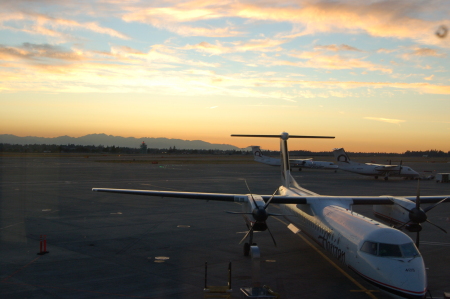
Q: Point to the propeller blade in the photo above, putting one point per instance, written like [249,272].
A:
[249,231]
[433,206]
[436,226]
[251,194]
[230,212]
[272,236]
[268,202]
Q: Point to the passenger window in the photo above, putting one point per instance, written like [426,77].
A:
[369,247]
[409,250]
[389,250]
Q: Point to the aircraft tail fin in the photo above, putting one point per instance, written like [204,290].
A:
[259,157]
[286,178]
[341,156]
[257,153]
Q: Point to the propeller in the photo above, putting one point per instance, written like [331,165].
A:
[259,213]
[417,215]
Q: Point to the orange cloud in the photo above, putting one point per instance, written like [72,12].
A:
[336,62]
[258,45]
[30,51]
[423,52]
[41,23]
[336,48]
[383,19]
[387,120]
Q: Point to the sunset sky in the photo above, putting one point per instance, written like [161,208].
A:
[375,74]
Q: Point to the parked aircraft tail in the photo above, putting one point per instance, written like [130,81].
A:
[259,157]
[341,156]
[286,178]
[257,153]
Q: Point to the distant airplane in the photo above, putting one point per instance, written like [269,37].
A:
[379,254]
[300,163]
[371,169]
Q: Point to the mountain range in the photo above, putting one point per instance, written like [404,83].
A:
[110,140]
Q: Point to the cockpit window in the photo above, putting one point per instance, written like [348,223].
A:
[389,250]
[370,247]
[409,250]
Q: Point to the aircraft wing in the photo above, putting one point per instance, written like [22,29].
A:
[192,195]
[299,160]
[387,168]
[387,200]
[277,199]
[355,200]
[205,196]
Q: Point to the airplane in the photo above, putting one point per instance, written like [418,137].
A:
[384,256]
[300,163]
[371,169]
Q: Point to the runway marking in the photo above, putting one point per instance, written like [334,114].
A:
[362,288]
[8,277]
[10,225]
[434,243]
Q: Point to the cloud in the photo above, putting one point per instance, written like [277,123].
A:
[423,52]
[386,51]
[42,24]
[387,120]
[253,45]
[29,51]
[316,59]
[173,19]
[400,19]
[336,48]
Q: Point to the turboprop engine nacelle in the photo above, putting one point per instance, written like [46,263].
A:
[393,214]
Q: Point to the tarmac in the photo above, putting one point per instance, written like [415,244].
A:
[104,245]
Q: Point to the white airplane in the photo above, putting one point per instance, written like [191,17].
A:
[371,169]
[382,255]
[300,163]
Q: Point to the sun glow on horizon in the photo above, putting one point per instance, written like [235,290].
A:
[202,71]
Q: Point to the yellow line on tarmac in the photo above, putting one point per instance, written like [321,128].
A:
[363,289]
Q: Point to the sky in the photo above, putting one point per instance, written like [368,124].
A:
[374,74]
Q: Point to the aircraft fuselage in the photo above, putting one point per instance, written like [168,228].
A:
[379,170]
[360,243]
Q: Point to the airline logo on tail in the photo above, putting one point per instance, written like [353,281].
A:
[257,152]
[341,155]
